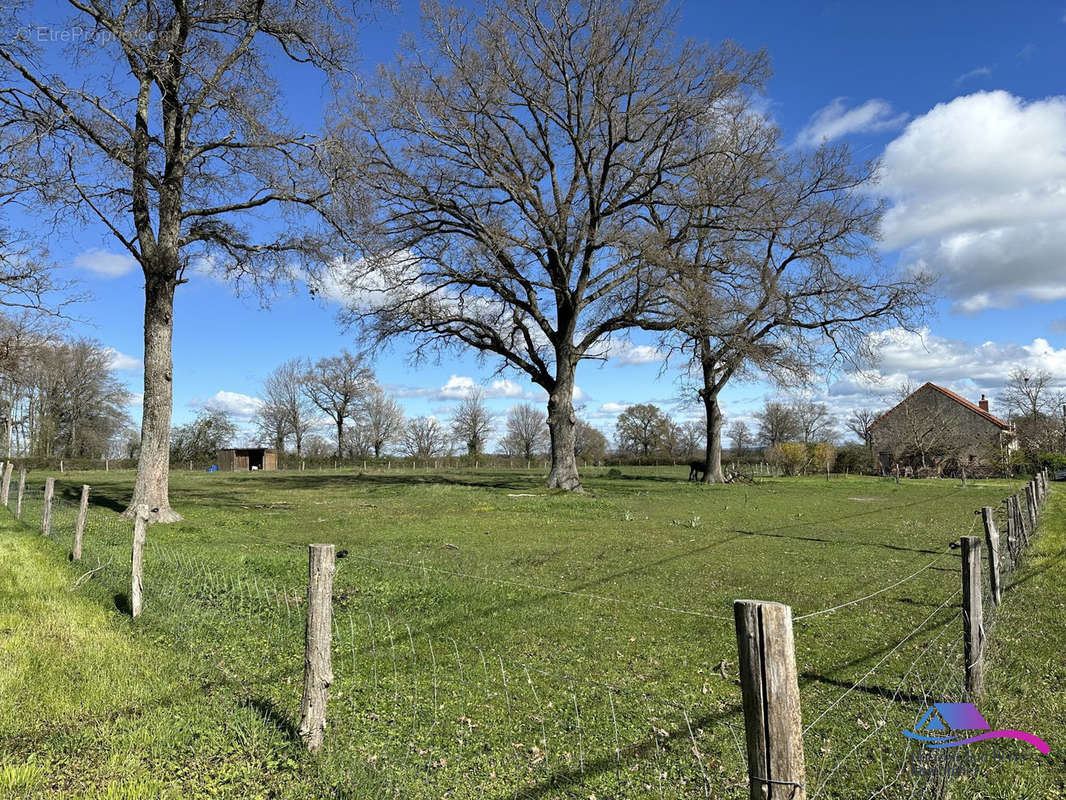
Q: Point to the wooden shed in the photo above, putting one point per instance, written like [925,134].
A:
[247,459]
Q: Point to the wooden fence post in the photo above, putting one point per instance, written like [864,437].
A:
[1030,516]
[79,527]
[46,514]
[992,539]
[770,690]
[973,616]
[140,534]
[1012,531]
[1021,525]
[5,490]
[318,667]
[22,491]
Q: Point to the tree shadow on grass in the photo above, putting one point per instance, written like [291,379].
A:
[273,717]
[1050,562]
[122,603]
[574,778]
[896,695]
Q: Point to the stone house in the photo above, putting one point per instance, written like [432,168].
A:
[935,430]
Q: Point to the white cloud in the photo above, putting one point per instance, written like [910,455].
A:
[624,353]
[967,368]
[836,120]
[241,406]
[614,408]
[458,387]
[137,399]
[105,264]
[977,188]
[121,361]
[979,72]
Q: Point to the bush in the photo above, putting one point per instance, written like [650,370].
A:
[790,457]
[854,458]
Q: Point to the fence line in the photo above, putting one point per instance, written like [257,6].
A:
[570,717]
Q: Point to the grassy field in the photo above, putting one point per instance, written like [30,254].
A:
[496,640]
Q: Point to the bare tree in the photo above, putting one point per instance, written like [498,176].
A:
[425,437]
[770,263]
[28,281]
[382,418]
[527,432]
[777,423]
[740,435]
[472,422]
[1028,392]
[814,421]
[284,412]
[336,385]
[689,438]
[642,429]
[860,421]
[181,153]
[271,426]
[497,177]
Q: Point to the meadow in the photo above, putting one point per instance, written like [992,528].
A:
[494,639]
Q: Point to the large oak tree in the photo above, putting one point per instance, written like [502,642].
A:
[770,260]
[497,173]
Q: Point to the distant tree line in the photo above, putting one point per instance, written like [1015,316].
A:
[59,396]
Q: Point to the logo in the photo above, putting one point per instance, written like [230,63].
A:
[943,724]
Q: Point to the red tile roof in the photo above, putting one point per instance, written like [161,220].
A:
[957,398]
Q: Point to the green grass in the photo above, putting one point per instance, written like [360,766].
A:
[493,644]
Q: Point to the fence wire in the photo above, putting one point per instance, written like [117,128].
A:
[436,715]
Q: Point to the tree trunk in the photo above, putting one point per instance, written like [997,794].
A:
[561,422]
[340,436]
[153,464]
[713,464]
[713,412]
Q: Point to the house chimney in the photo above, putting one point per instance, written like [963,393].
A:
[983,404]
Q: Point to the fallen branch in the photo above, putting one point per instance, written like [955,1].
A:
[88,576]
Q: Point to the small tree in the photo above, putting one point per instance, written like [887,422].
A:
[777,423]
[381,417]
[642,429]
[527,432]
[201,439]
[285,412]
[689,438]
[425,437]
[1028,392]
[814,421]
[335,385]
[472,423]
[589,443]
[740,435]
[860,421]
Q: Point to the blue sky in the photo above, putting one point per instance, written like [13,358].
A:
[965,104]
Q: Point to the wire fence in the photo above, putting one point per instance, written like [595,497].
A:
[427,713]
